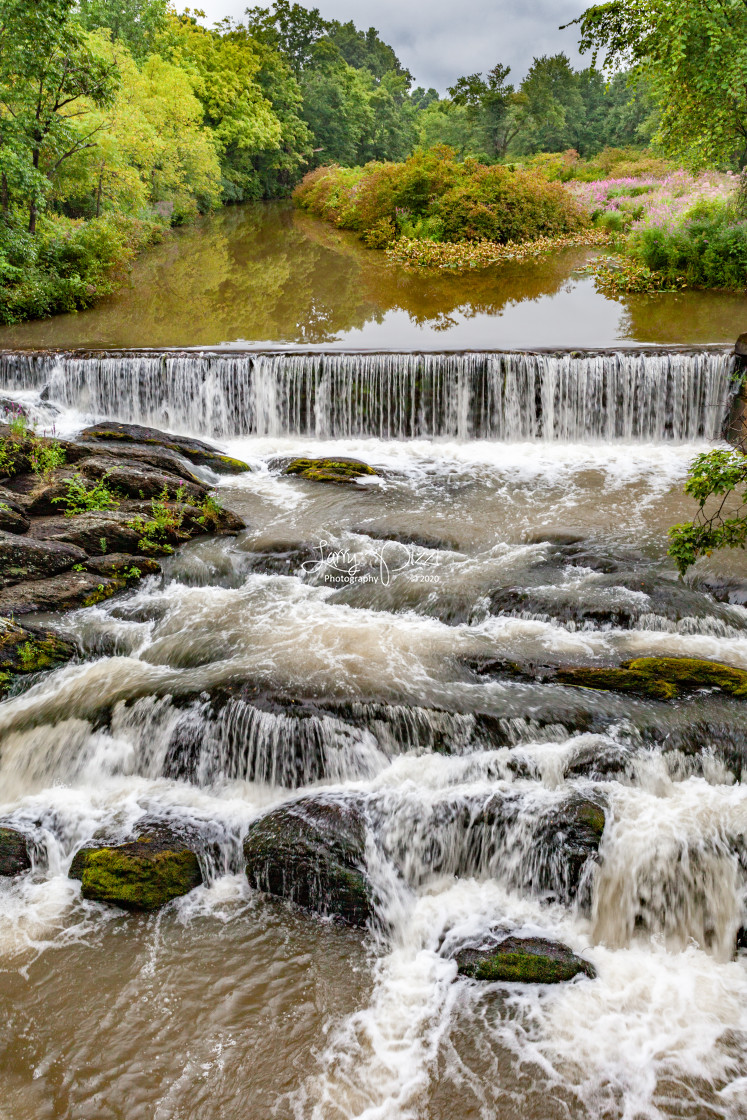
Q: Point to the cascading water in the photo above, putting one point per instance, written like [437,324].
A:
[501,396]
[366,646]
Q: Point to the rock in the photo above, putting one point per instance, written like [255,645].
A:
[193,449]
[160,458]
[559,535]
[39,495]
[741,346]
[88,530]
[24,650]
[143,874]
[12,517]
[524,960]
[14,853]
[118,565]
[130,479]
[312,852]
[327,470]
[64,592]
[22,558]
[660,678]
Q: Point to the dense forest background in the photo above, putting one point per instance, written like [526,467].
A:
[120,118]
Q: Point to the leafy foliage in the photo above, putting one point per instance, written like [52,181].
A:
[717,480]
[82,498]
[694,56]
[433,196]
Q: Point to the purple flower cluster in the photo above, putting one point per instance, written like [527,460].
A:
[659,202]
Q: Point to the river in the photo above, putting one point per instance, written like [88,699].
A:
[520,515]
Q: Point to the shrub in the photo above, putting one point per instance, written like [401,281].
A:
[432,196]
[81,498]
[707,246]
[68,264]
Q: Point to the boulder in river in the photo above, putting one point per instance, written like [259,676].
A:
[312,852]
[195,450]
[24,650]
[63,592]
[660,678]
[524,960]
[142,874]
[14,853]
[22,558]
[329,470]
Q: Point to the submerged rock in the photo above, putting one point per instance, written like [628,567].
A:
[29,651]
[193,449]
[328,470]
[142,874]
[14,853]
[312,852]
[23,558]
[524,960]
[660,678]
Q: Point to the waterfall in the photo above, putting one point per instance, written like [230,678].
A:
[649,396]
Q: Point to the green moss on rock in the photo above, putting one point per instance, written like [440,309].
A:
[329,470]
[660,678]
[141,875]
[29,651]
[524,960]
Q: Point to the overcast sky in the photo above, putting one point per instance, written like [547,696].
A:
[439,40]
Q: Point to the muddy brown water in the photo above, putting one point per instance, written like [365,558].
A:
[264,273]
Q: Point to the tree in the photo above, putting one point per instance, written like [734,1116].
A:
[290,29]
[694,55]
[553,114]
[50,82]
[134,22]
[490,104]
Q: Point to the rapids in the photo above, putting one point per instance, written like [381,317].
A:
[343,643]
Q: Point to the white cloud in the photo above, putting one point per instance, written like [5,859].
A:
[439,40]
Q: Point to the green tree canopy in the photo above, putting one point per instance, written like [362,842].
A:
[694,55]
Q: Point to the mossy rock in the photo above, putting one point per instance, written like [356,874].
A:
[312,852]
[524,960]
[14,853]
[329,470]
[193,449]
[29,651]
[660,678]
[143,874]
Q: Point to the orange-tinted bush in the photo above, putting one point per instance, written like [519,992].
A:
[464,201]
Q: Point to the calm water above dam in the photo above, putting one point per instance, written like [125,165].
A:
[264,273]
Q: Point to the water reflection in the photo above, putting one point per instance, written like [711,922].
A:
[263,273]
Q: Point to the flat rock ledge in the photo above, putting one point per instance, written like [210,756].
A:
[524,960]
[312,852]
[142,874]
[82,520]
